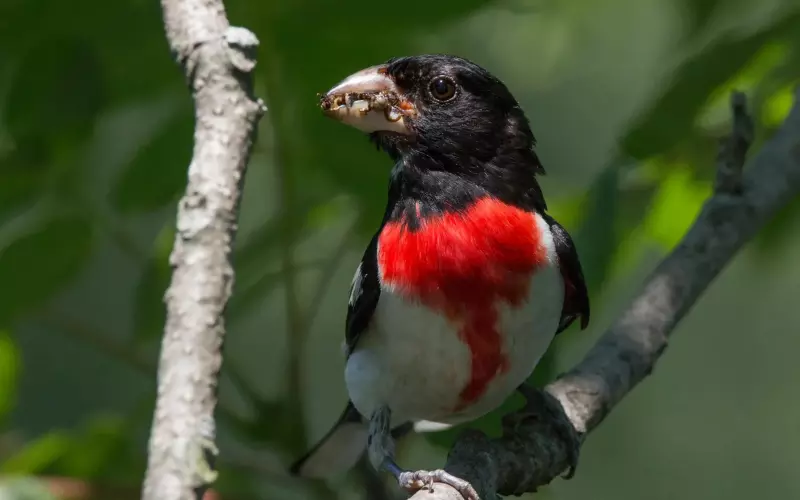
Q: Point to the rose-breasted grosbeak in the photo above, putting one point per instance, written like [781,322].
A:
[467,280]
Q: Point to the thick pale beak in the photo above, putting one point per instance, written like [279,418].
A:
[369,101]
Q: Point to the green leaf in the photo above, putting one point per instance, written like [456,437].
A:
[716,112]
[41,262]
[58,92]
[39,454]
[675,206]
[777,106]
[150,312]
[157,175]
[671,118]
[9,371]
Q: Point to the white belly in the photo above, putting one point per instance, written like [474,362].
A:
[413,360]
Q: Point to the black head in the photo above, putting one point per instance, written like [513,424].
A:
[444,113]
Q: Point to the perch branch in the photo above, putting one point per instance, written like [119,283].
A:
[530,453]
[218,61]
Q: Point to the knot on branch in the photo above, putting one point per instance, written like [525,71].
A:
[242,45]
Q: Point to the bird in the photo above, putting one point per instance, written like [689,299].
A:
[467,279]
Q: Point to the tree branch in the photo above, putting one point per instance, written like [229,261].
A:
[531,452]
[218,60]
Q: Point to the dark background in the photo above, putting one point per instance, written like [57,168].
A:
[628,99]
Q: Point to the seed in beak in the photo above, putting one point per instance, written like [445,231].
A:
[392,114]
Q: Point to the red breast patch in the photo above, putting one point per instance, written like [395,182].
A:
[464,264]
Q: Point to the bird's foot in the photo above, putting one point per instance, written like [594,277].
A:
[543,402]
[417,480]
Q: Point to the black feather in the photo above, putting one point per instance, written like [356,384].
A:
[576,297]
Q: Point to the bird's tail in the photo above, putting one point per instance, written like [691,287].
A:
[338,451]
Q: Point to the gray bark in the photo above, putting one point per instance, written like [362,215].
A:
[218,61]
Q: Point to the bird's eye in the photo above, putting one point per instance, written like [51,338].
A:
[442,88]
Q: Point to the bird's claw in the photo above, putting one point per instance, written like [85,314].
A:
[417,480]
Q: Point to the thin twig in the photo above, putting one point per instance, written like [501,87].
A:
[733,151]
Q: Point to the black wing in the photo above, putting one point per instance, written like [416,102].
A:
[365,290]
[576,298]
[364,294]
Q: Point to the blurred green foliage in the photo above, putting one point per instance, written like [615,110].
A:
[35,269]
[96,136]
[9,369]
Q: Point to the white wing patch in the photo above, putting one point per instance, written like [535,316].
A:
[355,286]
[355,293]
